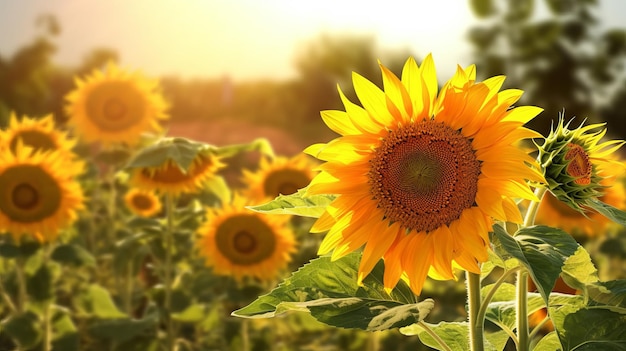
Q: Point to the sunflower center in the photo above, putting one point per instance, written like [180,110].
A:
[579,165]
[245,239]
[35,139]
[424,175]
[285,181]
[244,242]
[24,196]
[29,194]
[114,109]
[142,202]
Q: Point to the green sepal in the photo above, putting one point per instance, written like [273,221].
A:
[181,151]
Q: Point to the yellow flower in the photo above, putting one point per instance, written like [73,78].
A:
[39,134]
[38,193]
[114,106]
[142,203]
[420,176]
[169,178]
[240,243]
[280,175]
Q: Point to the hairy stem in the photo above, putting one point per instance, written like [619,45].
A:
[476,325]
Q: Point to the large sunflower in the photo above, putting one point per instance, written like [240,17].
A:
[142,203]
[170,178]
[38,193]
[280,175]
[39,134]
[421,176]
[114,106]
[240,243]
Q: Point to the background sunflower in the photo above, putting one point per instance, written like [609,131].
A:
[40,134]
[115,106]
[142,203]
[240,243]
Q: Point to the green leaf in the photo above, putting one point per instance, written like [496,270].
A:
[192,314]
[39,285]
[542,250]
[296,204]
[261,145]
[608,211]
[611,293]
[97,301]
[482,8]
[181,151]
[120,330]
[550,342]
[590,329]
[9,250]
[579,271]
[23,328]
[65,335]
[329,291]
[73,255]
[454,334]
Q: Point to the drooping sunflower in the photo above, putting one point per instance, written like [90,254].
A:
[142,203]
[280,175]
[39,134]
[114,106]
[170,178]
[240,243]
[39,195]
[420,176]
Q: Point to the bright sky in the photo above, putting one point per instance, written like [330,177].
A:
[246,39]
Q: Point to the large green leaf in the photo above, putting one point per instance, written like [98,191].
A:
[73,255]
[542,250]
[455,335]
[550,342]
[23,328]
[579,271]
[611,293]
[297,204]
[122,329]
[588,329]
[179,150]
[260,145]
[96,301]
[610,212]
[329,291]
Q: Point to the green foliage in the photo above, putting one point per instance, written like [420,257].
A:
[23,328]
[297,203]
[71,254]
[96,301]
[122,329]
[610,212]
[550,342]
[329,291]
[455,335]
[540,249]
[590,328]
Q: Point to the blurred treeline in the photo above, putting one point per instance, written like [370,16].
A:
[555,50]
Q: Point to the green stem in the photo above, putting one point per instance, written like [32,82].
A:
[444,346]
[539,326]
[483,308]
[128,292]
[21,284]
[169,244]
[373,341]
[6,298]
[476,326]
[48,307]
[522,280]
[245,335]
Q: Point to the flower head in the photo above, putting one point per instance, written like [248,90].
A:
[576,162]
[142,203]
[114,106]
[420,176]
[238,242]
[38,193]
[279,175]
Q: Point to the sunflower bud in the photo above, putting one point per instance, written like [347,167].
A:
[575,162]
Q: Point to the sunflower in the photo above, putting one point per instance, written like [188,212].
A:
[114,106]
[240,243]
[142,203]
[170,178]
[38,193]
[420,176]
[280,175]
[39,134]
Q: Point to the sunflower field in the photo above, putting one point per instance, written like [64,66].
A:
[435,217]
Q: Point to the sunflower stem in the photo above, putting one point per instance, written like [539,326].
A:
[439,340]
[169,244]
[373,341]
[6,298]
[485,303]
[522,280]
[245,335]
[21,284]
[476,326]
[47,315]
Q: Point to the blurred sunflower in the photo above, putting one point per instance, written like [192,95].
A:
[142,203]
[38,193]
[420,176]
[39,134]
[114,106]
[170,178]
[280,175]
[240,243]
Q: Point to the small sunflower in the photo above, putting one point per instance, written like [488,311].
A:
[142,203]
[240,243]
[38,134]
[420,176]
[170,178]
[576,163]
[280,175]
[38,193]
[114,106]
